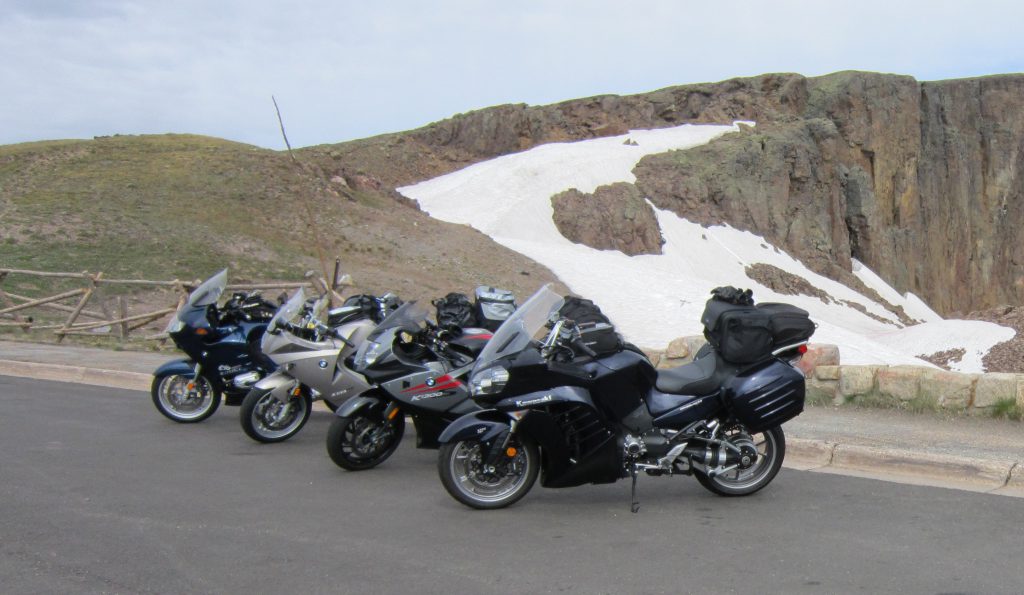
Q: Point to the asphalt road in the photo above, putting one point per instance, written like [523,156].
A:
[99,493]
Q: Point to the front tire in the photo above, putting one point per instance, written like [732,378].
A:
[771,449]
[364,440]
[463,476]
[266,419]
[184,399]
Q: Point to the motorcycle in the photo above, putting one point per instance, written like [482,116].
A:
[411,367]
[557,409]
[310,346]
[222,348]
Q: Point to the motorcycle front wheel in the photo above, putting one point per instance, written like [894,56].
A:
[464,476]
[266,419]
[363,440]
[770,447]
[184,399]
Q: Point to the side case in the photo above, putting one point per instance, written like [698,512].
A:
[768,395]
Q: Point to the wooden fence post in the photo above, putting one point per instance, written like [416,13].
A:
[122,313]
[10,303]
[81,304]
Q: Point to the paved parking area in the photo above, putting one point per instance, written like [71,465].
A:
[99,493]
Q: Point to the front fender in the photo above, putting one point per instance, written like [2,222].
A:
[356,404]
[278,384]
[180,367]
[480,426]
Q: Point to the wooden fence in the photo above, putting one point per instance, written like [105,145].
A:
[14,307]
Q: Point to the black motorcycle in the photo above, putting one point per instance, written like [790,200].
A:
[558,409]
[222,345]
[410,367]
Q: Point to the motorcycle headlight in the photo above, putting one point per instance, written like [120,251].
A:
[373,351]
[488,382]
[175,325]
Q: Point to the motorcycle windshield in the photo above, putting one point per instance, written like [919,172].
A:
[206,294]
[515,334]
[409,316]
[209,291]
[290,309]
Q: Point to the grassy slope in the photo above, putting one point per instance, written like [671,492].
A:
[161,207]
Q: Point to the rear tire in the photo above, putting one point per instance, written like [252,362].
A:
[266,419]
[363,440]
[462,475]
[177,402]
[771,447]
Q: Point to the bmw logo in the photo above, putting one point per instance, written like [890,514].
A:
[431,382]
[323,363]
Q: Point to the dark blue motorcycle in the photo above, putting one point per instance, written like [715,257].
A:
[222,345]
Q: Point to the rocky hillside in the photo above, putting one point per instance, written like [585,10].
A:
[918,180]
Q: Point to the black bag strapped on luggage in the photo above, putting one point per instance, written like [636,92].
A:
[743,333]
[790,325]
[493,306]
[455,309]
[597,332]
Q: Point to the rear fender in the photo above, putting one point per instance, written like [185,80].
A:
[278,384]
[481,426]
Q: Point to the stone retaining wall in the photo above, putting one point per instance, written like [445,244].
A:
[905,387]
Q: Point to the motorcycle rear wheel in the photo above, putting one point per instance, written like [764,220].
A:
[461,469]
[363,440]
[177,402]
[265,419]
[771,449]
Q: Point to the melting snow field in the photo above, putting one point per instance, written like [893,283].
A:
[653,299]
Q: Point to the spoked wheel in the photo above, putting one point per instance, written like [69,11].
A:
[466,477]
[264,418]
[363,440]
[761,461]
[184,399]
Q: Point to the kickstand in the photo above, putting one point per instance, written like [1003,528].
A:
[635,506]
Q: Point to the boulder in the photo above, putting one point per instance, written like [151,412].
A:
[856,381]
[994,387]
[899,383]
[950,390]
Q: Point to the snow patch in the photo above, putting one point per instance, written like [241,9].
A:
[653,299]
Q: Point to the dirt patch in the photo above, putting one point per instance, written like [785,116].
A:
[785,282]
[1007,356]
[944,359]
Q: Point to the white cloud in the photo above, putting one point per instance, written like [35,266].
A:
[343,70]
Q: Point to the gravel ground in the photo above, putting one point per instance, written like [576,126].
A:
[1008,356]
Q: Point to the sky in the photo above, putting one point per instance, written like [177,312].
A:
[345,69]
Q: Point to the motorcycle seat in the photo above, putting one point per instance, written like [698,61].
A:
[700,377]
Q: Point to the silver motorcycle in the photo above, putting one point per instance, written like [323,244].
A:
[309,346]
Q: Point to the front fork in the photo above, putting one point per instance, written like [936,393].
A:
[195,380]
[500,448]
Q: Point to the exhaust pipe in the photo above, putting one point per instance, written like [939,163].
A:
[246,380]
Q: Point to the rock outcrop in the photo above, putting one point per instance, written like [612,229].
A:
[614,217]
[919,180]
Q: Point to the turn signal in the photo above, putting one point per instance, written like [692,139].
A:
[393,414]
[296,392]
[511,452]
[202,331]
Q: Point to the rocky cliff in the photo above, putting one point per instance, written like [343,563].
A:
[918,180]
